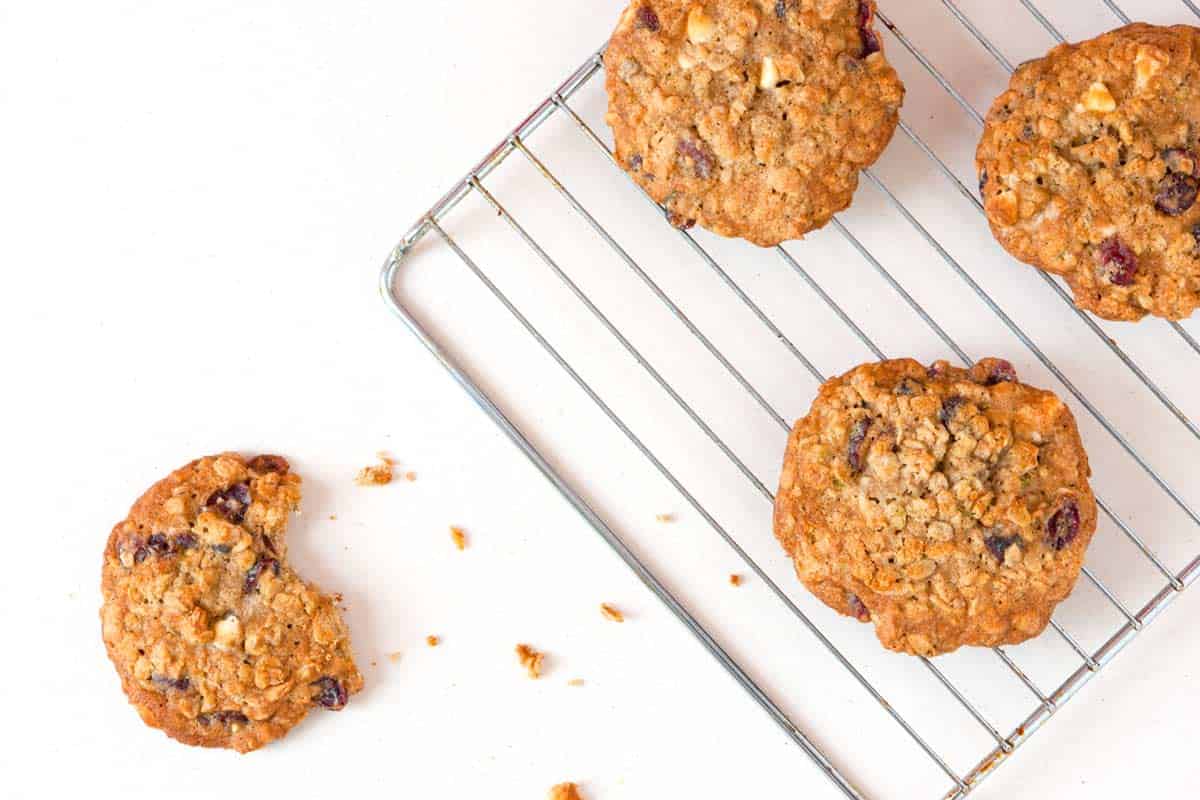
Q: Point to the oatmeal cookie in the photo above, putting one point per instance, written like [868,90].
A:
[750,117]
[216,640]
[1088,169]
[947,506]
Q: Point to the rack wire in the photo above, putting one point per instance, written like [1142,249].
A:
[517,143]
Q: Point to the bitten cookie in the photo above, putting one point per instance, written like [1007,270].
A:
[750,117]
[216,639]
[947,506]
[1088,168]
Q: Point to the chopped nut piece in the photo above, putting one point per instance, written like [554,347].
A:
[228,632]
[735,580]
[377,475]
[769,75]
[1148,63]
[531,660]
[611,613]
[432,641]
[700,26]
[459,536]
[1099,98]
[565,791]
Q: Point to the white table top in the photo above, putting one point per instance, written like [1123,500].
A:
[195,203]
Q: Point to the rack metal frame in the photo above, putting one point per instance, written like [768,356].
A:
[557,102]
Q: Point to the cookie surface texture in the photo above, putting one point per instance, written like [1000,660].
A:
[216,639]
[1089,169]
[948,507]
[752,118]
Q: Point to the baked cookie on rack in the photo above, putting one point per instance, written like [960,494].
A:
[946,506]
[1089,168]
[752,118]
[216,640]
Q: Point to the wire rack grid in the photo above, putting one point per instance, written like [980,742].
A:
[1088,661]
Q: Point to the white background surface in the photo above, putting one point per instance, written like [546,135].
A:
[194,202]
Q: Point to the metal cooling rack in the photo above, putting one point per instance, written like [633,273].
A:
[558,103]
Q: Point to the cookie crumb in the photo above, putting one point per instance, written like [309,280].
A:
[459,536]
[664,518]
[410,476]
[735,580]
[531,660]
[611,613]
[394,657]
[575,682]
[432,641]
[333,516]
[564,791]
[378,474]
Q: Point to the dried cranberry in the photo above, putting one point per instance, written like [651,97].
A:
[269,545]
[856,450]
[781,8]
[1118,264]
[266,463]
[1001,372]
[178,684]
[983,178]
[232,502]
[1179,159]
[908,387]
[223,549]
[141,554]
[330,693]
[635,162]
[255,572]
[1063,526]
[949,408]
[866,15]
[1176,193]
[1196,235]
[702,161]
[998,545]
[858,608]
[646,18]
[185,541]
[158,544]
[936,369]
[223,718]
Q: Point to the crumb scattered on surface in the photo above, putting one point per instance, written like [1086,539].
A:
[378,474]
[665,517]
[374,663]
[459,536]
[432,641]
[735,580]
[531,660]
[575,682]
[410,476]
[333,516]
[611,613]
[394,656]
[564,791]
